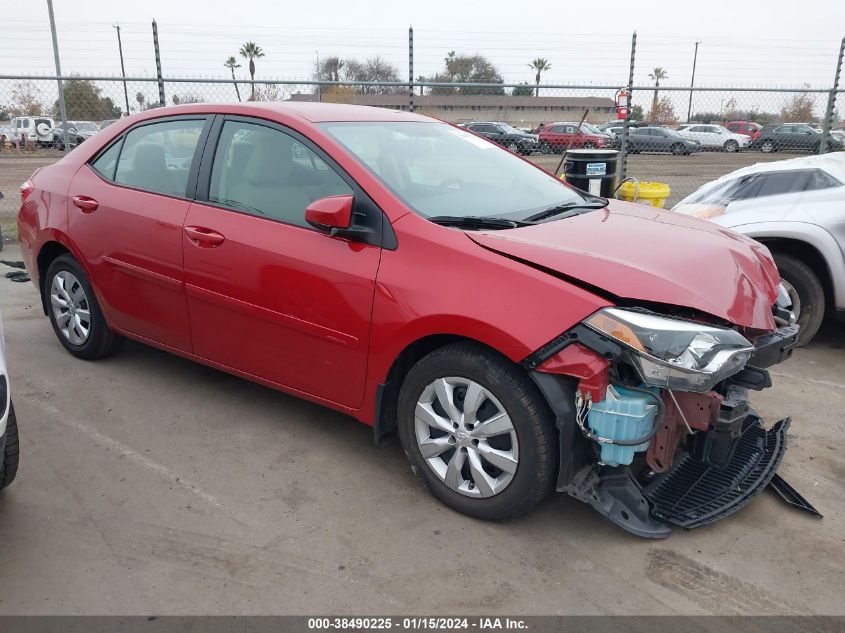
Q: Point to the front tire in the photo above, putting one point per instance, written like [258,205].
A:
[731,146]
[810,294]
[477,432]
[75,315]
[11,452]
[767,147]
[678,149]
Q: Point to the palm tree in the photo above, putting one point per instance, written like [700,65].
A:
[231,64]
[540,65]
[251,51]
[140,98]
[450,57]
[421,79]
[656,76]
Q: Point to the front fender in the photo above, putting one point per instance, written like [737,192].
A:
[810,234]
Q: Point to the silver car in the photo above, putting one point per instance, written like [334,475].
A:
[714,136]
[794,207]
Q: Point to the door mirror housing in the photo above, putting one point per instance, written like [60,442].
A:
[333,212]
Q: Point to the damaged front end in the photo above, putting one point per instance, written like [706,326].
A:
[654,423]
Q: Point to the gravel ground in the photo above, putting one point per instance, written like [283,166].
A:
[150,484]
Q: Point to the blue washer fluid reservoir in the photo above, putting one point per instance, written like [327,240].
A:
[622,415]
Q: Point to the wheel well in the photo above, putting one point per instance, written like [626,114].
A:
[48,252]
[807,254]
[386,404]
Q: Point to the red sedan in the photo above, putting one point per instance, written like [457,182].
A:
[518,334]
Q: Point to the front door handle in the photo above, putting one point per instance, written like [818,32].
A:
[203,237]
[86,204]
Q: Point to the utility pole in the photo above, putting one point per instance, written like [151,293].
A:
[122,69]
[319,87]
[831,101]
[161,100]
[623,153]
[62,109]
[692,81]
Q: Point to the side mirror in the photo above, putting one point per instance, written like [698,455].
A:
[333,212]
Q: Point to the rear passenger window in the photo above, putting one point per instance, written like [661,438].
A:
[158,156]
[107,161]
[265,172]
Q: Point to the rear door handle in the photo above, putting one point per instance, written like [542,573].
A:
[203,237]
[86,204]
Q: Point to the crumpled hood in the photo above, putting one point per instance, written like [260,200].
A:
[637,252]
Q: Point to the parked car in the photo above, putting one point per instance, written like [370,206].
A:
[505,135]
[794,207]
[106,123]
[660,139]
[78,132]
[556,137]
[33,129]
[749,128]
[714,137]
[9,447]
[519,334]
[791,137]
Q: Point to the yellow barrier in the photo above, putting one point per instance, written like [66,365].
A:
[650,193]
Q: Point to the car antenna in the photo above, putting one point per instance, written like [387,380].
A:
[571,140]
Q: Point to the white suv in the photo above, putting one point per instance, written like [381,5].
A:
[8,424]
[714,136]
[33,129]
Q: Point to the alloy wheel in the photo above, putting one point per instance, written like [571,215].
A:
[70,307]
[466,437]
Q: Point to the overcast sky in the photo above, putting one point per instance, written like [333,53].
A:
[771,42]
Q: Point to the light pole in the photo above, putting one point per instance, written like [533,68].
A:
[692,81]
[122,69]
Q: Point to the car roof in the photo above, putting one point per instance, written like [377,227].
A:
[832,163]
[306,110]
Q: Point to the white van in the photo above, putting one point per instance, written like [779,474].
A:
[33,129]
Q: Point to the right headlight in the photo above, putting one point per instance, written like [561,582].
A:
[673,353]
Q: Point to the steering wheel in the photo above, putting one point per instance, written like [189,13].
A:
[451,181]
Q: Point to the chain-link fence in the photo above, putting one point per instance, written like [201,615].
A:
[680,136]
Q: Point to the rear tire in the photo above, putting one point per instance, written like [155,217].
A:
[810,293]
[451,468]
[83,329]
[11,452]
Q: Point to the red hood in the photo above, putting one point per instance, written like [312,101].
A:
[638,252]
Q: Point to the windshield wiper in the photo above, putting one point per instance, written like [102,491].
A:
[477,222]
[569,209]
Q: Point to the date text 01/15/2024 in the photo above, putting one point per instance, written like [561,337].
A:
[416,623]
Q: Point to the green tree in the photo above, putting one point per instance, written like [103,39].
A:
[541,65]
[468,69]
[251,51]
[231,63]
[656,76]
[330,69]
[636,113]
[523,90]
[84,102]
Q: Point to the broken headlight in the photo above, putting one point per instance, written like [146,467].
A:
[673,353]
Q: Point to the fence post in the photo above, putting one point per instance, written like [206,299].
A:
[411,69]
[62,109]
[623,156]
[831,102]
[161,100]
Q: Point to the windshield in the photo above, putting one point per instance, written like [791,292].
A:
[86,126]
[590,128]
[438,170]
[508,129]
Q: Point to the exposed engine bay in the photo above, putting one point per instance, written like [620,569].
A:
[654,420]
